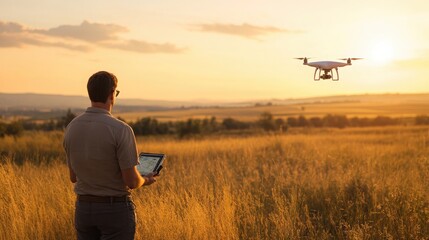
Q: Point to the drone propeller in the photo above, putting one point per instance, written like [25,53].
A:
[302,58]
[305,60]
[345,59]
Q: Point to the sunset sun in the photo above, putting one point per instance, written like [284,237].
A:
[382,52]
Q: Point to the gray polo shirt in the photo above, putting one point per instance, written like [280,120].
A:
[98,146]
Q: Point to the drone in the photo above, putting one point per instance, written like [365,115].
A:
[327,67]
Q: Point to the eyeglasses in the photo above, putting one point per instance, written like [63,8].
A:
[117,93]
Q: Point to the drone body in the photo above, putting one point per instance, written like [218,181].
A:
[327,68]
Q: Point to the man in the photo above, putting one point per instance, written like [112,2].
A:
[102,157]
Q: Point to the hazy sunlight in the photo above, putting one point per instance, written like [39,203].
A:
[187,52]
[382,52]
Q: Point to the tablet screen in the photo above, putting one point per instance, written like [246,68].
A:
[149,162]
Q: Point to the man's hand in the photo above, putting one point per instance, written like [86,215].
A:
[149,178]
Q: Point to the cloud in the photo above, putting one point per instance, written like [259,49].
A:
[9,40]
[16,35]
[243,30]
[10,27]
[82,48]
[145,47]
[11,34]
[83,37]
[19,40]
[91,32]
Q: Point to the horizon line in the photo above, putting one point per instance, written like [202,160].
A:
[229,100]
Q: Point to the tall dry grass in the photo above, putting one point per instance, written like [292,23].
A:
[318,184]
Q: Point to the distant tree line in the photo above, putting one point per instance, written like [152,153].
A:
[265,122]
[341,121]
[150,126]
[422,120]
[15,128]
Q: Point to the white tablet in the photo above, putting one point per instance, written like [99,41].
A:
[150,162]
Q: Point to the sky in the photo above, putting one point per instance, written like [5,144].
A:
[214,50]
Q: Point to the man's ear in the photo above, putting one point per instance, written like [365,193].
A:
[111,96]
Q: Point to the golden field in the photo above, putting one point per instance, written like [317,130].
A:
[355,183]
[372,109]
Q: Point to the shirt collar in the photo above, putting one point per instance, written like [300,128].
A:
[97,110]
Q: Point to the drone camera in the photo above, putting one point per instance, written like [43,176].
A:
[325,76]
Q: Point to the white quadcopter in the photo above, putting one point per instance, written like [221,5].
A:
[327,67]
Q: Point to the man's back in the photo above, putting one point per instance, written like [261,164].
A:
[98,147]
[102,156]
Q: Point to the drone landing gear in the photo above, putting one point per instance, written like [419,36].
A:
[327,74]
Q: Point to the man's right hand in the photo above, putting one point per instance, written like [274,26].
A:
[133,179]
[149,179]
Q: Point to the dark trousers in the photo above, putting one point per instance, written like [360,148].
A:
[104,221]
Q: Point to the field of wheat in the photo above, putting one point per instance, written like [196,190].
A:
[317,109]
[366,183]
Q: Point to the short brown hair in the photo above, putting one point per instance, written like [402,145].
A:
[100,86]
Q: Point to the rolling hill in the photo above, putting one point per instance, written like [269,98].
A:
[29,104]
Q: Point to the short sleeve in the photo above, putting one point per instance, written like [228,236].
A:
[126,151]
[66,148]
